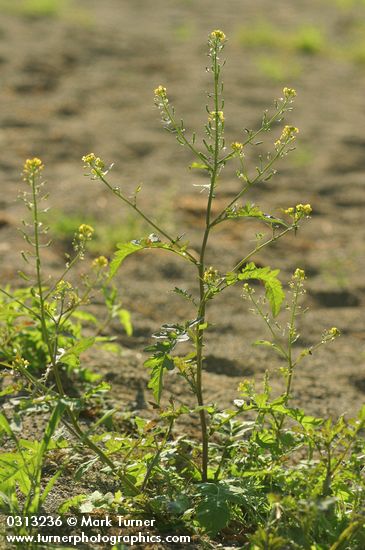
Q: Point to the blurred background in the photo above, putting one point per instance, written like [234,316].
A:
[78,76]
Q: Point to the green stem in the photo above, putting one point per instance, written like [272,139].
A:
[155,459]
[221,215]
[74,428]
[130,203]
[201,271]
[53,350]
[34,313]
[181,134]
[69,266]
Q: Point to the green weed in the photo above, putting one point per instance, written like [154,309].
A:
[306,39]
[36,8]
[105,239]
[263,473]
[278,69]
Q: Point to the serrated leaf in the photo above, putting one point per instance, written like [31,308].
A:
[273,287]
[158,365]
[185,294]
[124,250]
[77,349]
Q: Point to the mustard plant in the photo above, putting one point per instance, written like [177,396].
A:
[211,154]
[41,337]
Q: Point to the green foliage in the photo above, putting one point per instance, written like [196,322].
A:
[265,474]
[106,237]
[36,8]
[279,68]
[21,468]
[273,287]
[307,39]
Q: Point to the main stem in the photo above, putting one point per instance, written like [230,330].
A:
[202,292]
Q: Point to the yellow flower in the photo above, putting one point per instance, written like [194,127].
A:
[160,91]
[299,274]
[288,132]
[210,276]
[89,159]
[289,93]
[304,209]
[213,114]
[289,211]
[62,287]
[100,262]
[94,162]
[32,167]
[237,146]
[334,332]
[85,232]
[218,35]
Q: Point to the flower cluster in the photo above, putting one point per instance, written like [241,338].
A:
[64,290]
[95,163]
[20,363]
[289,93]
[288,134]
[32,167]
[299,211]
[237,147]
[218,35]
[100,262]
[299,274]
[330,335]
[216,114]
[160,92]
[83,234]
[61,289]
[210,276]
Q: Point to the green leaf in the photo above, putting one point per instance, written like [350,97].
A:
[4,425]
[152,241]
[273,287]
[185,294]
[77,349]
[85,316]
[213,515]
[124,250]
[71,503]
[198,166]
[270,345]
[125,321]
[252,211]
[157,365]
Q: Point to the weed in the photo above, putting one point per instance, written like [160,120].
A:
[263,473]
[305,39]
[278,69]
[106,237]
[36,8]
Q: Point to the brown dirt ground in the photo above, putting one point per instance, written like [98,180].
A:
[83,81]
